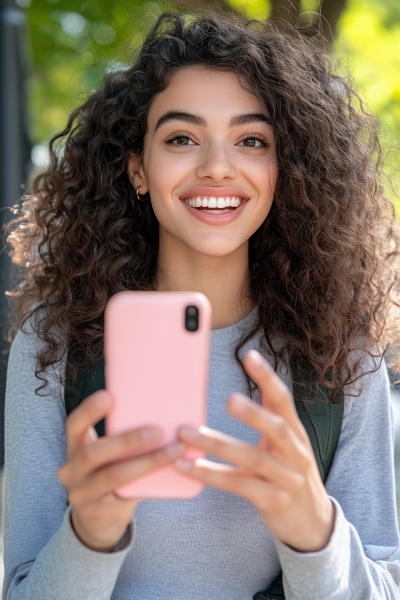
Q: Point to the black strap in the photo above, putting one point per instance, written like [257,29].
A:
[87,383]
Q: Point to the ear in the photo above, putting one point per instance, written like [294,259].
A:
[136,173]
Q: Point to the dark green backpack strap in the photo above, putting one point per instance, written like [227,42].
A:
[87,383]
[321,418]
[323,422]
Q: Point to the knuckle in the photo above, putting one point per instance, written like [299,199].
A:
[257,458]
[129,441]
[279,502]
[159,458]
[282,428]
[215,446]
[114,474]
[297,484]
[304,459]
[87,454]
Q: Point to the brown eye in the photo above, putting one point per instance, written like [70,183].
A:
[180,140]
[252,142]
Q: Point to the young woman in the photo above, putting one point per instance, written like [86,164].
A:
[228,160]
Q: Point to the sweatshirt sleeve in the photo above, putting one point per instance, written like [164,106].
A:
[43,558]
[356,565]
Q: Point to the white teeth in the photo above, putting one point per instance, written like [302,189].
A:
[217,212]
[213,202]
[221,202]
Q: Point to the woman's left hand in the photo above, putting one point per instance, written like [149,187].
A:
[280,475]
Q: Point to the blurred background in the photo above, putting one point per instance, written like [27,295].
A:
[54,52]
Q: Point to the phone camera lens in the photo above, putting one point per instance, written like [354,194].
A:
[192,318]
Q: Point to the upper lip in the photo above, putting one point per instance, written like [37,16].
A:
[216,192]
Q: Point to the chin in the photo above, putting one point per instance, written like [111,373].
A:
[214,250]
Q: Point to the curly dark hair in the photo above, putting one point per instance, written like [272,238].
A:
[322,265]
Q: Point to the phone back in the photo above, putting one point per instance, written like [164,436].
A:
[157,372]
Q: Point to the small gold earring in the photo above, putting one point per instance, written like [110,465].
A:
[146,196]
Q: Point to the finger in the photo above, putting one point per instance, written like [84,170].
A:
[102,451]
[275,395]
[90,435]
[87,414]
[113,476]
[251,459]
[226,478]
[275,429]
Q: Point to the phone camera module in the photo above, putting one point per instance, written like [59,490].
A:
[192,318]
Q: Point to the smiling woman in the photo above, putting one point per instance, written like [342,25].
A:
[228,160]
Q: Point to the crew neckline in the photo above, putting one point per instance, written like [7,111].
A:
[228,335]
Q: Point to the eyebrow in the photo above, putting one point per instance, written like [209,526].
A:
[174,115]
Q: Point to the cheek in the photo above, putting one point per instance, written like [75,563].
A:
[166,171]
[266,176]
[263,177]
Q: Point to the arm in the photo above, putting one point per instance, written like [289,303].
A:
[336,549]
[355,564]
[43,558]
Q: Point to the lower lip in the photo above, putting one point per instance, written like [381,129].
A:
[221,219]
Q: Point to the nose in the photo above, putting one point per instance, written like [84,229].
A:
[216,164]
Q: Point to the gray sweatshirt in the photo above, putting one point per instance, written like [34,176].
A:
[214,546]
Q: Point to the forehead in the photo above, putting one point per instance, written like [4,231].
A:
[215,94]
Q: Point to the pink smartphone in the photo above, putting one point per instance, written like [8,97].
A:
[156,348]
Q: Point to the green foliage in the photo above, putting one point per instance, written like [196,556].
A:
[74,43]
[369,41]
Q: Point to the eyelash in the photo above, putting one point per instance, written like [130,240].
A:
[261,139]
[178,135]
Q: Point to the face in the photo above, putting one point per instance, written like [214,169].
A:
[209,162]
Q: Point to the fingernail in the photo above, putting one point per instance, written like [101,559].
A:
[238,403]
[102,400]
[175,449]
[183,465]
[150,433]
[256,358]
[190,433]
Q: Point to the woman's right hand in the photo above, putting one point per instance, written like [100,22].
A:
[94,469]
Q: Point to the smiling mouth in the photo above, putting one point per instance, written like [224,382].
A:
[214,205]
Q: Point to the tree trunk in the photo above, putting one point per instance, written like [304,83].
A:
[217,6]
[330,13]
[285,11]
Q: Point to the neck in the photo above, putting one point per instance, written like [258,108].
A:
[224,280]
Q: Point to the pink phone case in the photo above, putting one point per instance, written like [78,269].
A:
[157,373]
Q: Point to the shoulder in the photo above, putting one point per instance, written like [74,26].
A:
[23,372]
[368,398]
